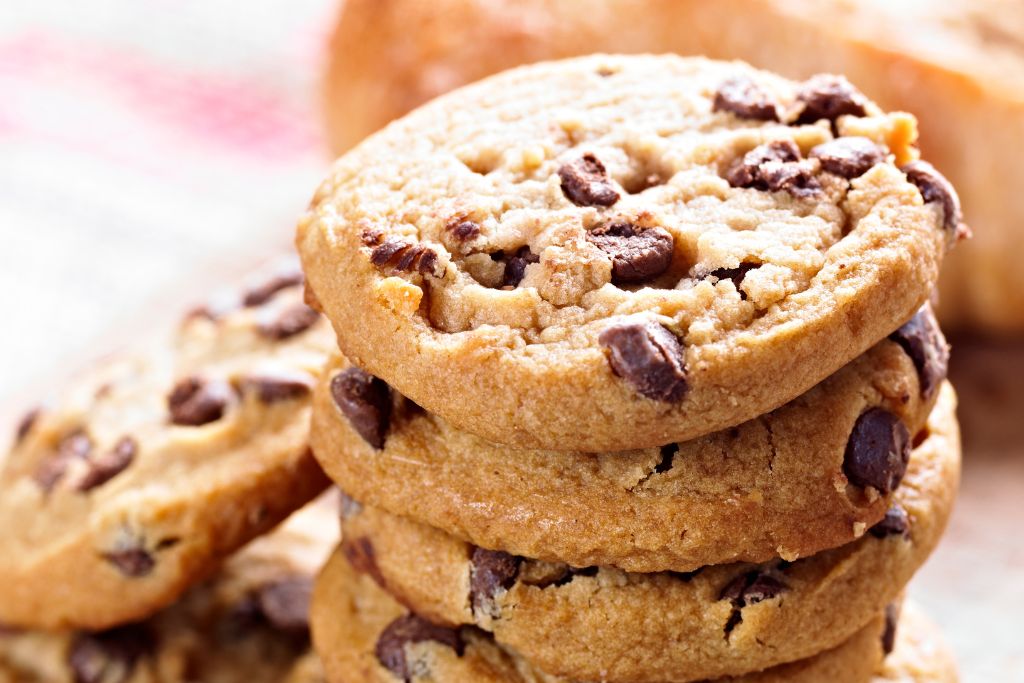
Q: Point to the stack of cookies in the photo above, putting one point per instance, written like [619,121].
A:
[640,382]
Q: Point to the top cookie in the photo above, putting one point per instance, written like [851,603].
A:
[619,252]
[152,469]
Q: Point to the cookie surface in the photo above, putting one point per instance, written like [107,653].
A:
[619,252]
[246,624]
[149,471]
[364,636]
[605,624]
[920,655]
[786,484]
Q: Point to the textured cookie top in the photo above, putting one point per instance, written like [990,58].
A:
[148,470]
[609,252]
[246,624]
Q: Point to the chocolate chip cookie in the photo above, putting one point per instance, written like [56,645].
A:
[249,623]
[613,252]
[365,636]
[812,475]
[605,624]
[149,471]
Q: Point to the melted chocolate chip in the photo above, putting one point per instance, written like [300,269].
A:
[75,446]
[737,275]
[878,451]
[293,320]
[892,618]
[935,188]
[111,656]
[464,230]
[776,166]
[26,423]
[924,342]
[132,562]
[285,603]
[109,465]
[826,96]
[515,267]
[637,254]
[404,256]
[195,401]
[360,554]
[585,182]
[277,387]
[649,357]
[668,457]
[849,157]
[366,401]
[492,571]
[745,98]
[895,523]
[390,649]
[753,587]
[261,293]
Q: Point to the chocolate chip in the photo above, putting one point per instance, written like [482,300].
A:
[371,237]
[745,98]
[278,386]
[464,230]
[585,182]
[195,401]
[132,562]
[849,157]
[111,656]
[390,649]
[492,571]
[935,188]
[753,587]
[26,423]
[776,166]
[637,254]
[293,320]
[892,618]
[895,523]
[649,357]
[366,401]
[924,342]
[668,457]
[737,275]
[109,465]
[261,293]
[826,96]
[75,446]
[404,256]
[515,267]
[878,451]
[360,554]
[285,603]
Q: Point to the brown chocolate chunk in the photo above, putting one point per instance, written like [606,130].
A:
[360,554]
[745,98]
[492,571]
[892,618]
[935,188]
[278,386]
[390,649]
[649,357]
[111,656]
[878,451]
[895,523]
[366,401]
[737,275]
[849,157]
[133,562]
[195,401]
[924,342]
[585,182]
[515,267]
[637,254]
[464,230]
[262,292]
[827,96]
[753,587]
[404,256]
[776,166]
[293,320]
[285,603]
[75,446]
[26,423]
[109,465]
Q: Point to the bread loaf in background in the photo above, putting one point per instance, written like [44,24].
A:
[957,65]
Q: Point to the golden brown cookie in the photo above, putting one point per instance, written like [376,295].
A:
[725,620]
[619,252]
[150,470]
[787,484]
[919,653]
[247,624]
